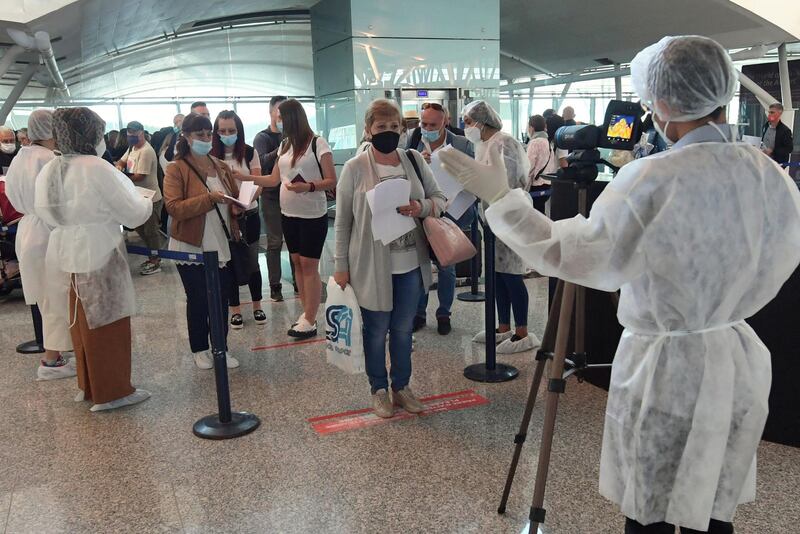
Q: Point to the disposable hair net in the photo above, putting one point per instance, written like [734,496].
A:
[77,130]
[684,78]
[481,111]
[40,125]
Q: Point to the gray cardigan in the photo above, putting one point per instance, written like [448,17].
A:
[357,252]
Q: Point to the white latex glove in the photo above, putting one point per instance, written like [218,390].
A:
[487,182]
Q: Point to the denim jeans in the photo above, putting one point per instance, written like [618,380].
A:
[193,277]
[446,286]
[406,290]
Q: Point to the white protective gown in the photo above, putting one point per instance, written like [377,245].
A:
[517,168]
[32,238]
[697,239]
[85,200]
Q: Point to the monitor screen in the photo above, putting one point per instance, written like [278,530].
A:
[620,127]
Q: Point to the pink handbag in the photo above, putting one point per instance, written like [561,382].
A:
[447,241]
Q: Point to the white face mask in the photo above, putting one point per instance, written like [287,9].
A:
[473,134]
[100,149]
[662,133]
[8,148]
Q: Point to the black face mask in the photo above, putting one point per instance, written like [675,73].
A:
[386,142]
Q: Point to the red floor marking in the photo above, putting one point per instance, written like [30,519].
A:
[289,344]
[329,424]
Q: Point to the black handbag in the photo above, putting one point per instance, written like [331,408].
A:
[239,250]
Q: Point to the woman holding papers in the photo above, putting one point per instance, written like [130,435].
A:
[195,189]
[228,145]
[84,200]
[305,171]
[381,249]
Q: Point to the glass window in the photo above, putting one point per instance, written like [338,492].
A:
[109,114]
[255,117]
[214,109]
[152,116]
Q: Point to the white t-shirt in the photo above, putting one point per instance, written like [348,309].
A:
[244,169]
[403,250]
[303,205]
[214,237]
[143,161]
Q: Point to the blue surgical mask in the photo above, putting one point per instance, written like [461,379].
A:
[133,140]
[279,126]
[176,129]
[431,136]
[201,148]
[229,140]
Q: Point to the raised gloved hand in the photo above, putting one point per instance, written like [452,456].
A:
[487,182]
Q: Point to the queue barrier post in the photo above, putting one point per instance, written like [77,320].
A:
[225,424]
[490,371]
[36,345]
[473,295]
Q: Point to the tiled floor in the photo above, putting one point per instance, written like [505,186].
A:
[140,469]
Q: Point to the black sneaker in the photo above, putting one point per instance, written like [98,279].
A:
[275,294]
[259,316]
[237,323]
[419,323]
[444,327]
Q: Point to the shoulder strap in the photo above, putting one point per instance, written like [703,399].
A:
[216,208]
[416,137]
[314,150]
[413,159]
[248,154]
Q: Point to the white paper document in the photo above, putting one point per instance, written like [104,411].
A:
[752,140]
[247,191]
[146,193]
[449,185]
[383,200]
[461,204]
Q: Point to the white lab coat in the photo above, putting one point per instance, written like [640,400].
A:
[85,200]
[32,232]
[697,239]
[31,246]
[517,168]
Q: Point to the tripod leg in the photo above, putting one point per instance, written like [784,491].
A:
[548,343]
[555,387]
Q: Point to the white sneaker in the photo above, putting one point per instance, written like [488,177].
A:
[203,360]
[54,373]
[231,362]
[480,337]
[136,397]
[515,344]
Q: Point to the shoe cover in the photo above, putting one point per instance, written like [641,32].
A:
[136,397]
[528,342]
[54,373]
[480,337]
[203,360]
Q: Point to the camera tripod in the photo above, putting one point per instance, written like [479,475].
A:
[568,298]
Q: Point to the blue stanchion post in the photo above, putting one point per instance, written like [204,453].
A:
[490,371]
[473,295]
[225,424]
[36,345]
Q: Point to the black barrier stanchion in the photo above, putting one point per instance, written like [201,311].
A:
[490,371]
[35,346]
[225,424]
[473,295]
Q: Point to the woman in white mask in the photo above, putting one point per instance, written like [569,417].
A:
[697,239]
[32,237]
[483,127]
[85,200]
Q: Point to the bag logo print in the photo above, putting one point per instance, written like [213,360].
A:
[340,324]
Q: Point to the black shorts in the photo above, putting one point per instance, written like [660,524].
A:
[305,236]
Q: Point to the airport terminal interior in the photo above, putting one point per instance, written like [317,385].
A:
[277,416]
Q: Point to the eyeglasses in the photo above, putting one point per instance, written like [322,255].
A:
[433,105]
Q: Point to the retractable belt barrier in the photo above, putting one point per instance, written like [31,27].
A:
[225,424]
[542,193]
[9,229]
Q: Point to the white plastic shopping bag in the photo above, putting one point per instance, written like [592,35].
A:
[344,345]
